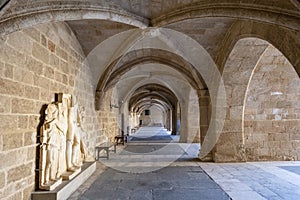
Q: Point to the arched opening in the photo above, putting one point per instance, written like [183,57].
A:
[150,84]
[255,83]
[271,110]
[155,105]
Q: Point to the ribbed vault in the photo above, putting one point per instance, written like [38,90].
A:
[123,64]
[152,94]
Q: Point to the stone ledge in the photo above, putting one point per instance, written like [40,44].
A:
[67,187]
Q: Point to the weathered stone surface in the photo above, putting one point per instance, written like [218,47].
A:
[5,104]
[32,154]
[11,87]
[27,82]
[51,46]
[8,122]
[27,192]
[24,76]
[30,138]
[13,140]
[8,71]
[23,122]
[43,40]
[34,121]
[23,106]
[19,172]
[32,92]
[34,65]
[33,33]
[2,179]
[20,41]
[270,116]
[40,53]
[12,56]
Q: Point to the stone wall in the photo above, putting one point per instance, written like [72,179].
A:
[109,116]
[262,90]
[272,110]
[35,64]
[236,76]
[155,118]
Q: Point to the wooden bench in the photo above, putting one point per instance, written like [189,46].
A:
[106,147]
[120,139]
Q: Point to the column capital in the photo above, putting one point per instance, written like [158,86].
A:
[203,92]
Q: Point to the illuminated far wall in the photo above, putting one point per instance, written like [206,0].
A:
[155,117]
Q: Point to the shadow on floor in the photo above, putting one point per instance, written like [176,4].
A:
[169,183]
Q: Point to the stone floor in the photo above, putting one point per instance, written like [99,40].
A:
[170,170]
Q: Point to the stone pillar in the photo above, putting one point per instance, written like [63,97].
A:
[98,100]
[137,119]
[204,104]
[168,120]
[174,121]
[205,114]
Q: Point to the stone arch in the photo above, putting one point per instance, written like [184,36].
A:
[236,76]
[20,16]
[179,92]
[271,110]
[186,47]
[284,40]
[159,96]
[285,16]
[296,3]
[142,56]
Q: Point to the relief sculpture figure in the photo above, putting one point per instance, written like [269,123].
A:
[73,140]
[62,150]
[50,144]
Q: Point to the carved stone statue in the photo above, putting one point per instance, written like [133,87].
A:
[50,145]
[73,140]
[62,150]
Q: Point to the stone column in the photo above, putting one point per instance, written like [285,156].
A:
[204,104]
[205,114]
[168,120]
[174,121]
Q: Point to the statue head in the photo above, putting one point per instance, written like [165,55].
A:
[51,112]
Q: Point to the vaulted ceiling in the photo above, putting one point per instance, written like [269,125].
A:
[209,23]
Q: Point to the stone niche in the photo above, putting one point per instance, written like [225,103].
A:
[62,151]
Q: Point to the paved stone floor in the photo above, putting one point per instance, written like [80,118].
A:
[257,180]
[157,170]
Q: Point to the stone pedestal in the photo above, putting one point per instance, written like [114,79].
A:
[70,175]
[52,185]
[67,188]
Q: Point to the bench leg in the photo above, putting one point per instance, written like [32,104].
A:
[107,153]
[97,154]
[115,148]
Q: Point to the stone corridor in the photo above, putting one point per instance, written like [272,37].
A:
[145,174]
[222,75]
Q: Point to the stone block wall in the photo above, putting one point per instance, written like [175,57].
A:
[272,110]
[236,76]
[193,118]
[109,117]
[35,64]
[262,118]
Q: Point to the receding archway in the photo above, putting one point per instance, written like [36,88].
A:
[271,110]
[236,141]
